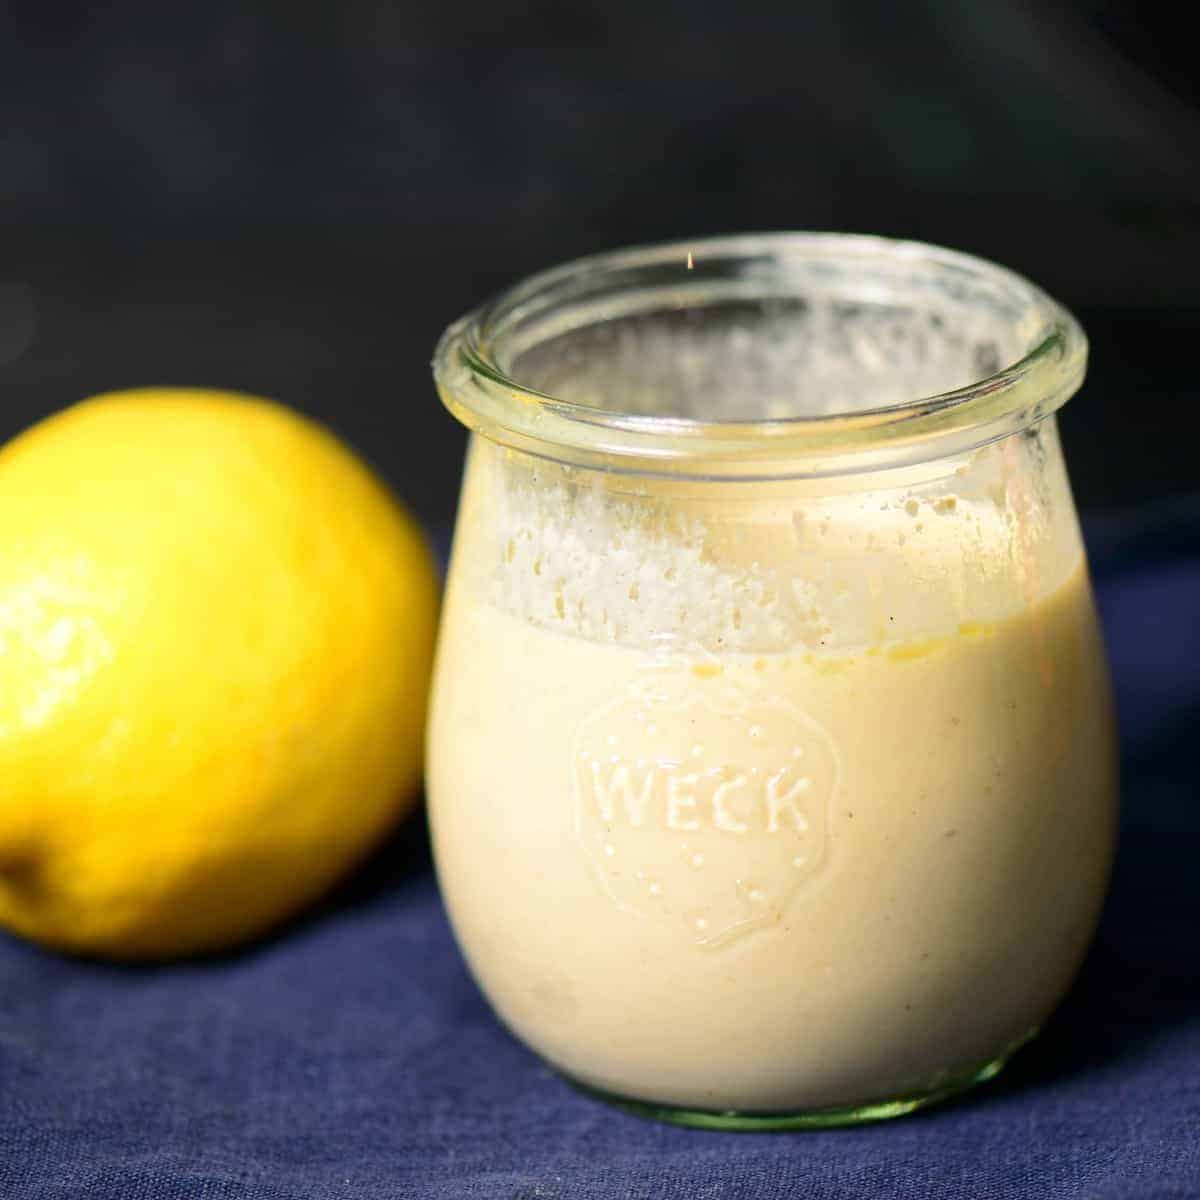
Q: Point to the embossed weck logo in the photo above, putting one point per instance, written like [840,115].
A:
[702,803]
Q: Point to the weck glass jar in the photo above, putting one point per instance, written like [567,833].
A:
[771,768]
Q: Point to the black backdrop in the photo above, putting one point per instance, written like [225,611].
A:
[294,198]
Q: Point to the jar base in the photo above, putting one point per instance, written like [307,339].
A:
[823,1118]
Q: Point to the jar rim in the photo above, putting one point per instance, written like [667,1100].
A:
[489,400]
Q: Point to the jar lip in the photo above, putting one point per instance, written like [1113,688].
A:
[490,401]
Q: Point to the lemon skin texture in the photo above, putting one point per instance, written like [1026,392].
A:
[216,632]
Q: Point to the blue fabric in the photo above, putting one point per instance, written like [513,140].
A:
[353,1057]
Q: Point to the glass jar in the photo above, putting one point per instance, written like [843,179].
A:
[771,768]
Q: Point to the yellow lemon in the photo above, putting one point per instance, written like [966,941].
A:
[216,629]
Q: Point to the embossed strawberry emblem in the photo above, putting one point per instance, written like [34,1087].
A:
[703,804]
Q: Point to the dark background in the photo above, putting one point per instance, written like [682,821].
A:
[294,199]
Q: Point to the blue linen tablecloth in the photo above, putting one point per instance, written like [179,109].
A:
[352,1056]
